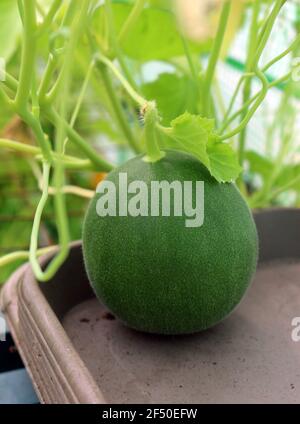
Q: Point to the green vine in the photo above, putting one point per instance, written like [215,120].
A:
[36,99]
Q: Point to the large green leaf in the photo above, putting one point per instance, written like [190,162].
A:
[196,135]
[173,94]
[154,36]
[10,27]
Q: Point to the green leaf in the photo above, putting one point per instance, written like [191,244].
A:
[259,164]
[196,135]
[189,133]
[224,164]
[290,175]
[154,36]
[10,28]
[173,95]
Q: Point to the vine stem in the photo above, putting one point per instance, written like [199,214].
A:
[266,31]
[131,20]
[95,162]
[36,225]
[80,100]
[19,147]
[23,255]
[5,98]
[280,80]
[262,94]
[20,104]
[76,191]
[253,60]
[115,103]
[54,8]
[130,90]
[70,162]
[233,99]
[99,163]
[35,125]
[189,59]
[45,83]
[213,60]
[253,64]
[124,125]
[265,68]
[59,199]
[113,40]
[151,119]
[249,65]
[28,54]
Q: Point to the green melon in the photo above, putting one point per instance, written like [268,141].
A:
[157,275]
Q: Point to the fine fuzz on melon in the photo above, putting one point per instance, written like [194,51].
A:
[159,275]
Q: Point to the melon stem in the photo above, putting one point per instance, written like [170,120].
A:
[151,119]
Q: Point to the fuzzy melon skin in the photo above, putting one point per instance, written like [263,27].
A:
[159,276]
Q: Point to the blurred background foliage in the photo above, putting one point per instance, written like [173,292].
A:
[154,55]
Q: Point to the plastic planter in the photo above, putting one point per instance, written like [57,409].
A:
[76,352]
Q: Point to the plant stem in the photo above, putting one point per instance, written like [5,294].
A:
[189,59]
[100,163]
[54,8]
[77,28]
[45,83]
[36,224]
[69,15]
[80,99]
[96,162]
[76,191]
[132,19]
[19,147]
[21,10]
[23,255]
[250,101]
[103,63]
[233,99]
[266,31]
[276,59]
[70,162]
[28,55]
[35,125]
[11,82]
[124,125]
[248,82]
[59,199]
[151,119]
[5,98]
[210,72]
[260,97]
[130,90]
[113,41]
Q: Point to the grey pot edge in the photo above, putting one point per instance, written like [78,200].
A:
[23,293]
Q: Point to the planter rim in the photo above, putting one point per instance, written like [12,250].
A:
[23,286]
[22,290]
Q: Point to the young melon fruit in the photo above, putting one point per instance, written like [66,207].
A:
[159,276]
